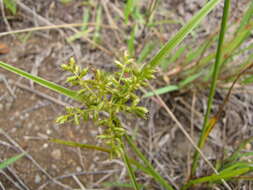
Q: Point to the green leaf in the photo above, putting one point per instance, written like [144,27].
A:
[129,7]
[11,5]
[9,161]
[75,144]
[148,168]
[189,79]
[130,170]
[183,32]
[96,36]
[163,90]
[215,74]
[145,52]
[55,87]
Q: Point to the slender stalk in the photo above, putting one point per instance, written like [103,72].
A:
[147,164]
[218,61]
[129,167]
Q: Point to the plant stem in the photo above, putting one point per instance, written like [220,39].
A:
[129,167]
[216,70]
[149,167]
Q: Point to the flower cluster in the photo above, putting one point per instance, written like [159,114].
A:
[104,95]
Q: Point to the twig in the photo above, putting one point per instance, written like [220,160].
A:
[45,21]
[40,28]
[3,78]
[17,179]
[180,126]
[1,186]
[11,180]
[4,17]
[79,182]
[41,94]
[33,161]
[78,174]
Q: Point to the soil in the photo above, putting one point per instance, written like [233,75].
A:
[28,111]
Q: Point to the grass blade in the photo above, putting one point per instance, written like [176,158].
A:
[9,161]
[11,5]
[80,145]
[150,168]
[213,84]
[146,51]
[129,168]
[183,32]
[166,89]
[173,58]
[96,36]
[55,87]
[131,41]
[226,174]
[129,7]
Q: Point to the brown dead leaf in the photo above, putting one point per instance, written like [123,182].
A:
[4,49]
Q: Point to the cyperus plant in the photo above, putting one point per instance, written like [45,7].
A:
[104,95]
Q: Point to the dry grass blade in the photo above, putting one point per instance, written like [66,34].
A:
[180,126]
[40,28]
[214,119]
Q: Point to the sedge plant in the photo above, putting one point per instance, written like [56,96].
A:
[103,96]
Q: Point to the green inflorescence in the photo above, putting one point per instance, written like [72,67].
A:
[104,95]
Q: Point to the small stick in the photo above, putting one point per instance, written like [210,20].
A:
[54,100]
[3,78]
[34,161]
[79,182]
[15,183]
[1,186]
[77,174]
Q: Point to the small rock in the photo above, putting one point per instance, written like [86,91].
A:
[45,145]
[49,131]
[54,166]
[56,154]
[24,116]
[37,179]
[78,169]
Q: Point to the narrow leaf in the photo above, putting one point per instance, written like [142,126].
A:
[55,87]
[183,32]
[9,161]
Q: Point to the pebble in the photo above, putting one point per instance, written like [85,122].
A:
[78,169]
[45,145]
[54,166]
[56,154]
[49,131]
[37,179]
[24,116]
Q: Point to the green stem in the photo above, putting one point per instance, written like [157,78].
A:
[129,167]
[218,61]
[150,168]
